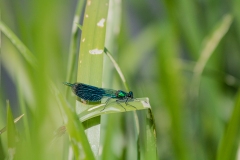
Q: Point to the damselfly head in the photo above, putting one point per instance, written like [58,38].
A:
[130,95]
[68,84]
[72,85]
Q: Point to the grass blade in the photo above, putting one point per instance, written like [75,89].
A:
[97,110]
[229,144]
[73,43]
[19,45]
[79,142]
[208,49]
[15,121]
[2,153]
[117,68]
[151,141]
[11,133]
[90,63]
[171,87]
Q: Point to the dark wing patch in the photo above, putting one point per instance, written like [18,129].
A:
[88,93]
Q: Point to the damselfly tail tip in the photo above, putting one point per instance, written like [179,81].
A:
[68,84]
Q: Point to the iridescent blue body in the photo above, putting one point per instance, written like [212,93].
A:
[95,94]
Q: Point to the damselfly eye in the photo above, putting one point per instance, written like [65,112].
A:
[130,94]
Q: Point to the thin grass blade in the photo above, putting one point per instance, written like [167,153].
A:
[2,153]
[210,45]
[74,38]
[79,142]
[15,121]
[18,44]
[229,144]
[11,133]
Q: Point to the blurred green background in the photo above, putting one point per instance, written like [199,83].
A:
[158,45]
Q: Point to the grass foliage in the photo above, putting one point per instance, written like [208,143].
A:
[182,55]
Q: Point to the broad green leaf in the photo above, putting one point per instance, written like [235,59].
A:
[113,107]
[90,62]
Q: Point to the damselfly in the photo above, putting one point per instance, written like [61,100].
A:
[95,94]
